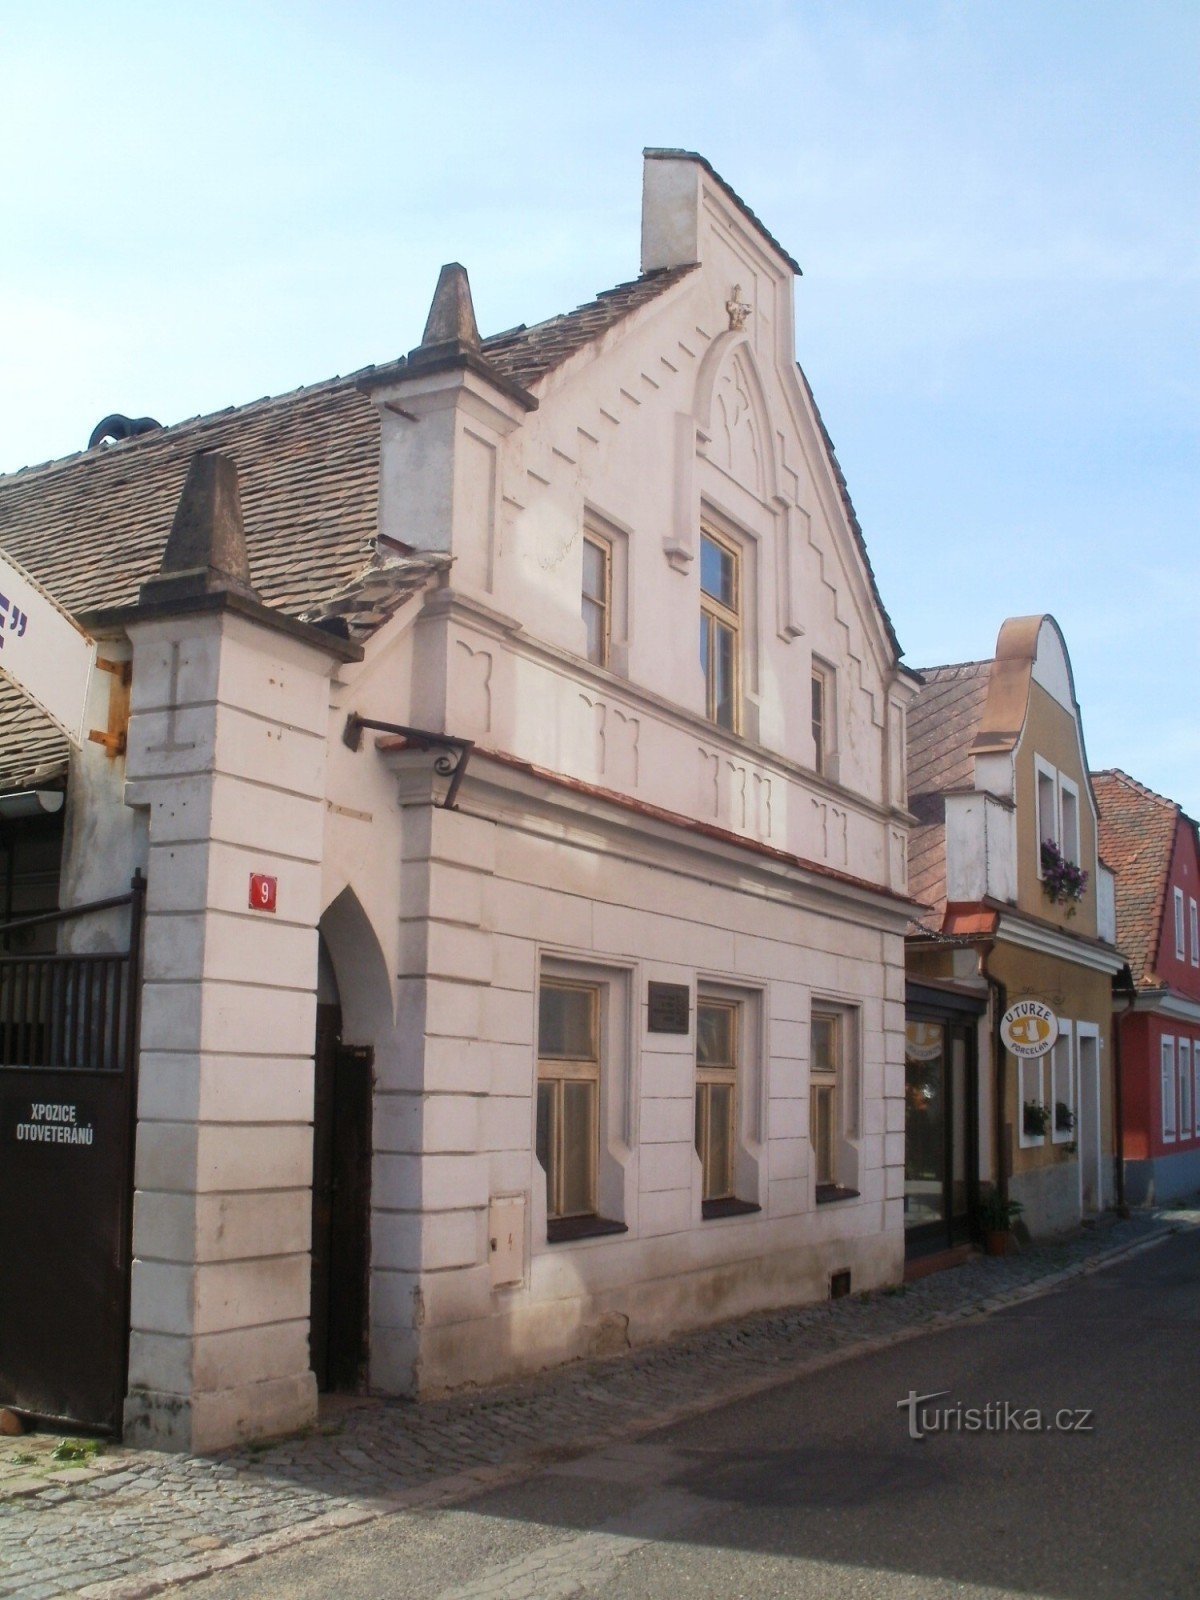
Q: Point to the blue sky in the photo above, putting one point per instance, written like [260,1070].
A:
[995,204]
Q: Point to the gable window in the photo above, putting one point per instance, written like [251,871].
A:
[1180,952]
[717,1034]
[1069,806]
[1185,1088]
[1195,930]
[822,705]
[1168,1089]
[1047,806]
[596,598]
[568,1096]
[720,629]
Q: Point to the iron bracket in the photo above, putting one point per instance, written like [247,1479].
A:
[452,763]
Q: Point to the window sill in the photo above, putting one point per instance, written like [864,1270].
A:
[563,1230]
[827,1193]
[727,1208]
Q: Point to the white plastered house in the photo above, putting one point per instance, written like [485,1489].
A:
[540,690]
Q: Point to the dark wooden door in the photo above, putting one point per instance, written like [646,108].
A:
[341,1206]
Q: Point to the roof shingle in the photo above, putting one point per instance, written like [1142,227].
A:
[1137,837]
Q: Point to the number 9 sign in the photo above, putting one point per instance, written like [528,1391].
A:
[262,892]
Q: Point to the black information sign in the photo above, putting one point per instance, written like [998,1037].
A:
[670,1008]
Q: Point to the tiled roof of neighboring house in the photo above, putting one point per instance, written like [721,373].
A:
[1137,836]
[942,723]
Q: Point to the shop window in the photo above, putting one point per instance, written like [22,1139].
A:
[1168,1089]
[720,630]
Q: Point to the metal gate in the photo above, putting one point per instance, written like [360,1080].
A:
[68,1060]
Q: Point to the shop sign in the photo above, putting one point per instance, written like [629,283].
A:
[1028,1029]
[43,650]
[923,1041]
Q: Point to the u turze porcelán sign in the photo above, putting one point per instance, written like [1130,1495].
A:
[43,650]
[1028,1028]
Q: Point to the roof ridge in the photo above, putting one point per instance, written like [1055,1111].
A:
[1120,776]
[956,666]
[347,380]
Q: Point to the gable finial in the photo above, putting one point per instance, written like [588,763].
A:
[451,318]
[206,548]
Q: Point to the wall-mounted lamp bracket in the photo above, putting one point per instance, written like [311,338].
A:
[452,763]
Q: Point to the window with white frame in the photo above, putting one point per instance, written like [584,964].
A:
[1194,917]
[718,1033]
[1047,806]
[1168,1089]
[728,1112]
[1068,796]
[1185,1089]
[824,718]
[596,596]
[1062,1086]
[1034,1113]
[568,1095]
[1196,1082]
[584,1096]
[720,630]
[833,1097]
[1180,951]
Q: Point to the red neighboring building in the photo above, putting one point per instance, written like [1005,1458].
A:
[1153,848]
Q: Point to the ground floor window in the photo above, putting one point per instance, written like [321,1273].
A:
[568,1095]
[717,1038]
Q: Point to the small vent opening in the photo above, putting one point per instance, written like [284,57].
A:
[839,1285]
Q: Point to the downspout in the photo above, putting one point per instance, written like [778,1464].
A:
[998,996]
[1125,982]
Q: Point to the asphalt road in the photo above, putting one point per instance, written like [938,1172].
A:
[816,1489]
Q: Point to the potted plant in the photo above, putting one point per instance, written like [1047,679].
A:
[1064,1117]
[1063,882]
[995,1216]
[1035,1119]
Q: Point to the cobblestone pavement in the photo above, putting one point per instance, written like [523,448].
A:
[125,1523]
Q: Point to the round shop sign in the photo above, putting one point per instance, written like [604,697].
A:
[1029,1028]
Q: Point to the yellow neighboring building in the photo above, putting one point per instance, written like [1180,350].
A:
[1019,920]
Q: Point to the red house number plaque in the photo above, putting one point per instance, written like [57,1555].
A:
[262,892]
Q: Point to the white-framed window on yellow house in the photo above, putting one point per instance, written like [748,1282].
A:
[1047,808]
[568,1096]
[1068,796]
[597,596]
[718,1035]
[720,629]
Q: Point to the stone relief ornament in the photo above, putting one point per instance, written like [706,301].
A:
[738,309]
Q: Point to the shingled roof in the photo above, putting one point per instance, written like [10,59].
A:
[942,723]
[1137,838]
[92,526]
